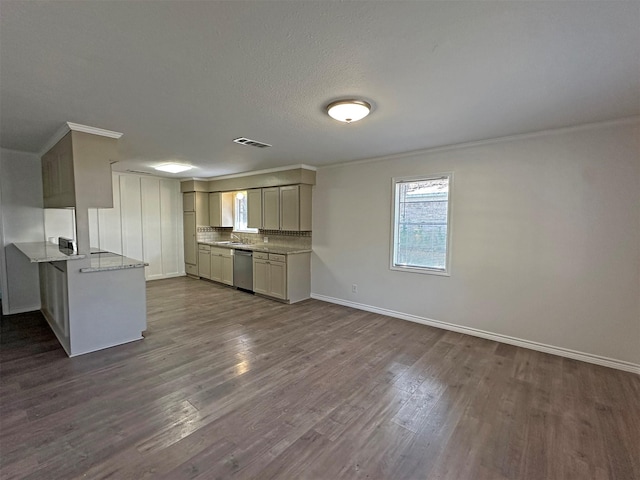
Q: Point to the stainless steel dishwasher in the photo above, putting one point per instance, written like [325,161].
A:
[243,270]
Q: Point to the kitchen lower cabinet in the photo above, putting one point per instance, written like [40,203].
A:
[221,262]
[54,298]
[190,241]
[285,277]
[204,263]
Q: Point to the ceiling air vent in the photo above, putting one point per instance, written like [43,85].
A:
[139,171]
[252,143]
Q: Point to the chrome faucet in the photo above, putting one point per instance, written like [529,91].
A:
[236,236]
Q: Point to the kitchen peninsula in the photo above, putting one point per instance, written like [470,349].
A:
[91,301]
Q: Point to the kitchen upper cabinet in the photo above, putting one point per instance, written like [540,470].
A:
[197,202]
[189,202]
[286,208]
[271,208]
[222,265]
[295,208]
[254,208]
[221,209]
[76,171]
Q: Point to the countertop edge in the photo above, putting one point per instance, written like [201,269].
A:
[260,248]
[26,248]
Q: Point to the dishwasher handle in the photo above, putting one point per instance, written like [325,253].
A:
[244,253]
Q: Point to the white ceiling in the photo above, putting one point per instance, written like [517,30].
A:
[182,79]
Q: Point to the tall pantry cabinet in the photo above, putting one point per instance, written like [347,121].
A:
[195,209]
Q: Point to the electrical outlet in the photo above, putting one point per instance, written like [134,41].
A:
[354,288]
[265,239]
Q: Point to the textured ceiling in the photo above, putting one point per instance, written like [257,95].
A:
[182,79]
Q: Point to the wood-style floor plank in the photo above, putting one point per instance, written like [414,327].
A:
[229,385]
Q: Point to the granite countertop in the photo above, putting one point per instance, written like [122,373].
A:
[103,261]
[39,252]
[261,247]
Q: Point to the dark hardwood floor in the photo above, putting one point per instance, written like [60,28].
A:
[228,385]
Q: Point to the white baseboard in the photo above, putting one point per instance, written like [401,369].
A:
[15,311]
[518,342]
[168,275]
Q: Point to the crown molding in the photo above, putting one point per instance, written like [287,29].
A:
[252,172]
[94,130]
[68,127]
[490,141]
[268,170]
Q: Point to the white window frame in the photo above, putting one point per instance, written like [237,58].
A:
[235,214]
[394,224]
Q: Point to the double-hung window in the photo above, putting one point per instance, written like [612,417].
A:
[421,224]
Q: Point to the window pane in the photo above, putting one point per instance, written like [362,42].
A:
[240,213]
[421,223]
[240,222]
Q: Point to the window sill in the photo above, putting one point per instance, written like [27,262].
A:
[421,270]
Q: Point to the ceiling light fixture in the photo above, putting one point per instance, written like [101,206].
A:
[173,167]
[348,110]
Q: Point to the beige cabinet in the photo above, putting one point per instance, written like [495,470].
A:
[295,208]
[271,208]
[204,262]
[287,208]
[190,241]
[197,202]
[254,208]
[222,265]
[285,277]
[195,206]
[54,297]
[221,209]
[76,171]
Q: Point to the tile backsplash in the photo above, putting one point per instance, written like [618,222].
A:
[276,238]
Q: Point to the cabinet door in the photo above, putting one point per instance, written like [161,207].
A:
[260,276]
[278,280]
[189,202]
[216,267]
[254,208]
[271,208]
[215,209]
[190,243]
[202,208]
[227,269]
[290,208]
[305,208]
[204,264]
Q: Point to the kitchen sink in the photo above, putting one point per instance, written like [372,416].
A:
[235,244]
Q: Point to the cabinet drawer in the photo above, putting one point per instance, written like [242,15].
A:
[191,269]
[224,252]
[276,257]
[261,255]
[204,248]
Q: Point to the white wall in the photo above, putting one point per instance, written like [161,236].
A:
[145,223]
[22,221]
[545,246]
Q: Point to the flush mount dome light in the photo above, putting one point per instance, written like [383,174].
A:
[173,167]
[348,110]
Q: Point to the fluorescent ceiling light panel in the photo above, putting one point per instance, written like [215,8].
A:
[173,167]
